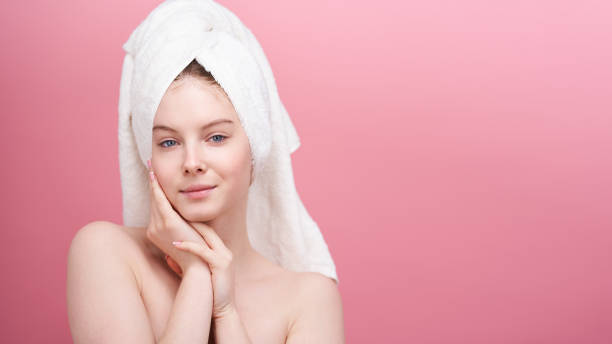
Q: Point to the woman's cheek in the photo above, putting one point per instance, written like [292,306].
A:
[241,173]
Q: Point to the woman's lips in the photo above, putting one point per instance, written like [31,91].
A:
[198,194]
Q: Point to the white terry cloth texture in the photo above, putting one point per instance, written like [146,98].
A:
[173,34]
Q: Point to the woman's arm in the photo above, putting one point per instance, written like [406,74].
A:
[230,329]
[190,318]
[104,301]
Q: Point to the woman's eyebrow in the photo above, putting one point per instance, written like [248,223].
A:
[205,126]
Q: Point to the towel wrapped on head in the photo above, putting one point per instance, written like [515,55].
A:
[175,33]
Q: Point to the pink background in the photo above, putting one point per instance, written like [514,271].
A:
[456,155]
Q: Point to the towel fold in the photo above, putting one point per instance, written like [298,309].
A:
[173,34]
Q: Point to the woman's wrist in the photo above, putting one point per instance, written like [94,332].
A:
[227,312]
[197,269]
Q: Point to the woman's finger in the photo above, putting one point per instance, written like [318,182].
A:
[163,205]
[155,216]
[209,235]
[200,250]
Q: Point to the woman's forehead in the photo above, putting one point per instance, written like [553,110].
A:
[194,102]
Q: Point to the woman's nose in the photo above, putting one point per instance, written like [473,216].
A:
[193,160]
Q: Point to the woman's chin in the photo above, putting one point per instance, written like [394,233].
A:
[194,213]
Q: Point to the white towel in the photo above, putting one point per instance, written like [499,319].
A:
[172,35]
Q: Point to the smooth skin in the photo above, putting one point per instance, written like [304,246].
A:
[119,293]
[197,253]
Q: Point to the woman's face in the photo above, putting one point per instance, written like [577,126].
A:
[198,140]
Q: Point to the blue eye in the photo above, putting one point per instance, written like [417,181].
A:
[224,137]
[162,143]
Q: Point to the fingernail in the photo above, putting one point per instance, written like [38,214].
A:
[176,243]
[149,163]
[151,176]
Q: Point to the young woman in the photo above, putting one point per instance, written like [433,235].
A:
[192,275]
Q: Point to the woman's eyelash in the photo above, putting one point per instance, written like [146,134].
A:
[162,144]
[223,136]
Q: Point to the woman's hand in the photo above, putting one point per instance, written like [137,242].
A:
[219,259]
[166,226]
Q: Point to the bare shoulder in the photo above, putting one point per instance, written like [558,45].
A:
[98,233]
[319,316]
[313,286]
[105,237]
[105,240]
[104,230]
[103,296]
